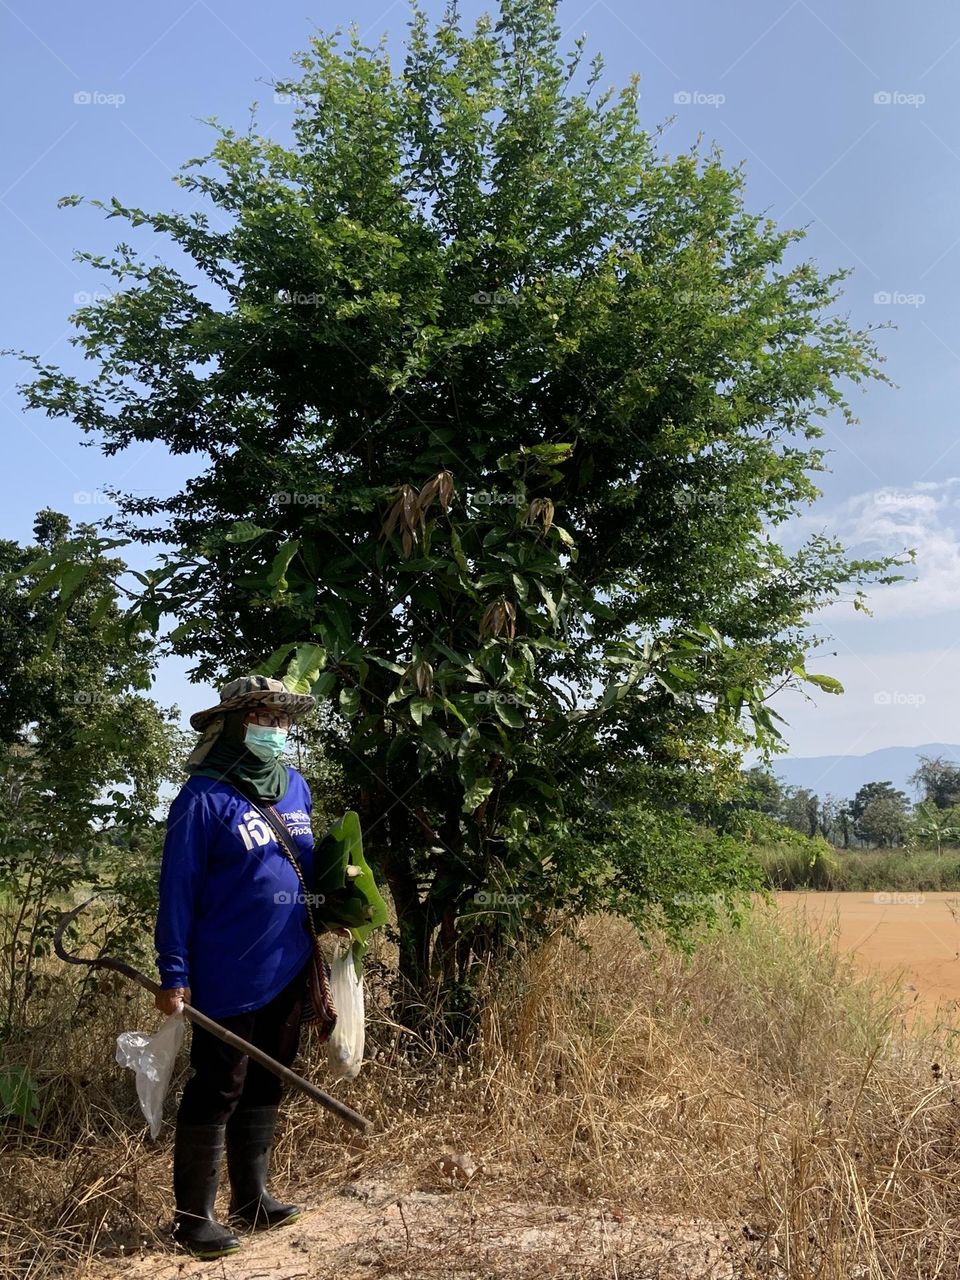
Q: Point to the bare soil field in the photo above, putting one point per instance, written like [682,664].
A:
[913,936]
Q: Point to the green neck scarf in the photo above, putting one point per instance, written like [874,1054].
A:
[229,760]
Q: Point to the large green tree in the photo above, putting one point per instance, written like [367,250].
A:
[495,410]
[880,812]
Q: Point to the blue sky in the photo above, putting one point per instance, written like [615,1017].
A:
[847,120]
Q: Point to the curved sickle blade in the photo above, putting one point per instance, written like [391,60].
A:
[289,1077]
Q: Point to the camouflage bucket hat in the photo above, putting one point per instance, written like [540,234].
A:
[255,691]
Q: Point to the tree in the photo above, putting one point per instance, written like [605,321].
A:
[762,791]
[82,754]
[800,809]
[463,368]
[832,820]
[937,781]
[939,825]
[879,813]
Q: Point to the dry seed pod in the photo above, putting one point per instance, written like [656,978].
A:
[423,677]
[499,618]
[540,509]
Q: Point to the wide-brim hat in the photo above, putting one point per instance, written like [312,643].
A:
[255,691]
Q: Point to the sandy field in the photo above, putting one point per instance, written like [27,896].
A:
[913,936]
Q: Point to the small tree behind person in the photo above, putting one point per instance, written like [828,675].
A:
[233,940]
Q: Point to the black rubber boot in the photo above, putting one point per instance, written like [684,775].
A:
[250,1135]
[197,1151]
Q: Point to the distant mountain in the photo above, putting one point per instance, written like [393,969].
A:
[843,776]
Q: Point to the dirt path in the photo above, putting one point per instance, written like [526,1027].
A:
[368,1230]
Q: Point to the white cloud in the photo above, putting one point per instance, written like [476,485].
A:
[924,517]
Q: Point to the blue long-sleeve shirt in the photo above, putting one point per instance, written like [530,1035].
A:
[232,920]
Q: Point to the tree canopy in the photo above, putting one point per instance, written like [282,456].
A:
[496,410]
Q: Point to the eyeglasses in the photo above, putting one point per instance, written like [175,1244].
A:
[269,719]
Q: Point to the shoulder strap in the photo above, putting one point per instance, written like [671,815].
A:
[321,996]
[279,828]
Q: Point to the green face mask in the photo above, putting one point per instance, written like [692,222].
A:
[266,744]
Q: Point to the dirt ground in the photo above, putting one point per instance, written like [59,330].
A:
[916,935]
[364,1230]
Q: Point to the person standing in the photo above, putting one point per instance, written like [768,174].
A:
[232,939]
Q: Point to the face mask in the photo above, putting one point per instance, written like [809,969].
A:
[266,744]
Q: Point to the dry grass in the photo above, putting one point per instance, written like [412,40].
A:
[759,1084]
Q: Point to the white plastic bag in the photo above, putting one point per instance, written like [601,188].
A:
[345,1046]
[152,1058]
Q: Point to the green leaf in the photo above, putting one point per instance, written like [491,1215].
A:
[304,667]
[277,577]
[273,664]
[510,714]
[548,600]
[349,702]
[395,667]
[419,707]
[476,794]
[829,684]
[323,687]
[246,531]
